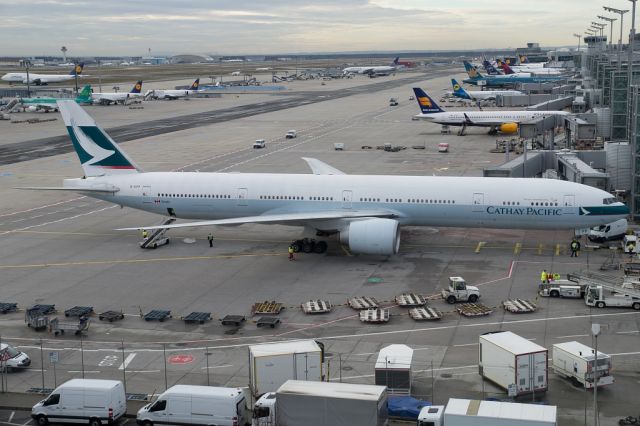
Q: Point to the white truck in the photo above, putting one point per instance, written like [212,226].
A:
[465,412]
[196,405]
[575,361]
[562,288]
[322,404]
[85,401]
[459,291]
[610,231]
[272,364]
[513,363]
[291,134]
[600,297]
[12,359]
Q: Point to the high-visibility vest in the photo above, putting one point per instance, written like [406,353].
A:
[543,276]
[290,250]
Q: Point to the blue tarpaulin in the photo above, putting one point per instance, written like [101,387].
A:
[405,407]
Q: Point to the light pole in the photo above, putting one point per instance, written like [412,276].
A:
[630,131]
[598,26]
[595,331]
[610,20]
[621,13]
[579,36]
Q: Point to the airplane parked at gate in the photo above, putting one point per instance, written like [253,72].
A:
[42,79]
[173,94]
[525,70]
[108,98]
[496,120]
[51,104]
[479,95]
[503,80]
[366,211]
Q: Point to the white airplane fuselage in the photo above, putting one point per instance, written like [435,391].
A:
[413,200]
[172,94]
[491,94]
[113,97]
[21,77]
[486,118]
[373,69]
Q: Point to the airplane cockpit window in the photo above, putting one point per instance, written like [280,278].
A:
[611,200]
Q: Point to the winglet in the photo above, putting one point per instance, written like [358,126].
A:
[320,168]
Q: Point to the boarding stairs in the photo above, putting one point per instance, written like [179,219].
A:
[11,105]
[613,283]
[157,238]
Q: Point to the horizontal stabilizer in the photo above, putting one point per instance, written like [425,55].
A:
[275,218]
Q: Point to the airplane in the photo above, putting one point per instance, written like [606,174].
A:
[366,211]
[527,70]
[374,69]
[406,64]
[108,98]
[479,95]
[503,80]
[496,120]
[51,104]
[173,94]
[42,79]
[489,68]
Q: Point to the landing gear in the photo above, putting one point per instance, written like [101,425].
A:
[309,245]
[462,130]
[493,131]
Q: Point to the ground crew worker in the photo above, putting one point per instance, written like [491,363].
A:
[210,238]
[544,277]
[556,277]
[631,248]
[575,246]
[291,253]
[145,234]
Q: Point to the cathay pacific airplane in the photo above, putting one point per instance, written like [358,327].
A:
[366,211]
[480,95]
[496,120]
[42,79]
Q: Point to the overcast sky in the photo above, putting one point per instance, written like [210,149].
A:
[131,27]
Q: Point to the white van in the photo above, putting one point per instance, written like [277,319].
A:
[196,405]
[13,358]
[90,401]
[610,231]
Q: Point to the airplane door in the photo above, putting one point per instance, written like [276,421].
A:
[569,202]
[347,198]
[478,201]
[243,193]
[147,196]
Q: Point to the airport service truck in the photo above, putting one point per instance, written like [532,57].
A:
[576,361]
[513,363]
[459,291]
[272,364]
[562,288]
[602,297]
[465,412]
[306,403]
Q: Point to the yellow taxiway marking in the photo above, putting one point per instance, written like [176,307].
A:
[479,246]
[518,248]
[558,249]
[121,261]
[540,248]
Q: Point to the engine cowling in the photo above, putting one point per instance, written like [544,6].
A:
[372,236]
[509,128]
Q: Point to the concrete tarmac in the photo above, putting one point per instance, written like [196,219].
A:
[62,249]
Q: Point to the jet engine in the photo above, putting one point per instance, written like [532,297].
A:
[509,128]
[372,236]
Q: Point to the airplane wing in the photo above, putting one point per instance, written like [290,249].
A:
[320,168]
[279,218]
[106,190]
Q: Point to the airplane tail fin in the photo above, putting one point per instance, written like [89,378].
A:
[523,59]
[472,71]
[427,105]
[490,69]
[395,61]
[195,84]
[98,153]
[458,90]
[85,94]
[137,88]
[77,70]
[507,69]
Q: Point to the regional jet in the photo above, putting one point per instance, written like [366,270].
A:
[42,79]
[366,211]
[496,120]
